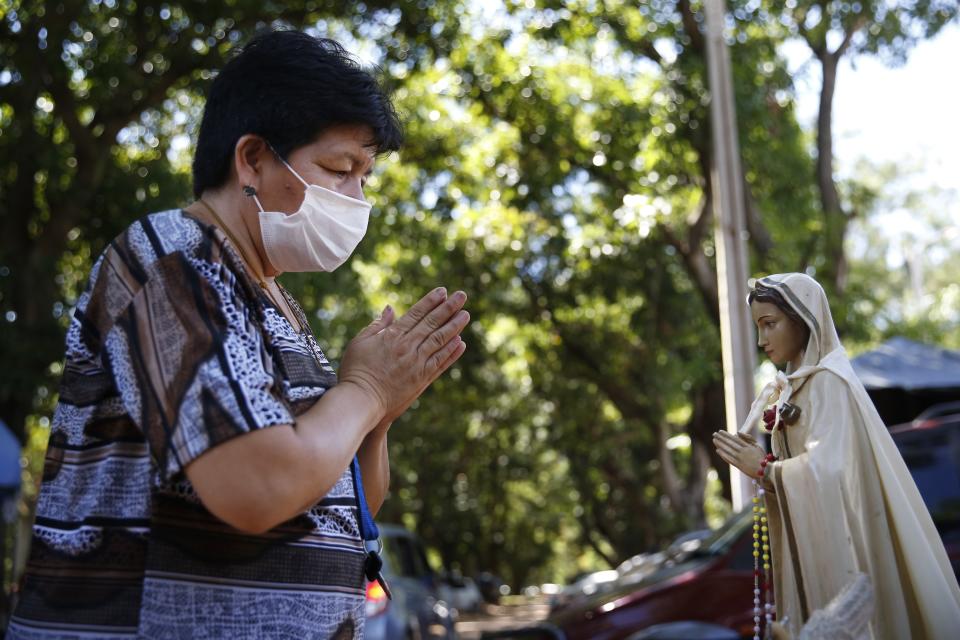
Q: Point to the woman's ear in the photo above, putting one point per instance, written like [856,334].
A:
[249,156]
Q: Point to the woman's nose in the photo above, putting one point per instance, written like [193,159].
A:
[353,189]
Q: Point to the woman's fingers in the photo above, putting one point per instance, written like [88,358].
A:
[441,356]
[421,309]
[457,348]
[385,320]
[436,318]
[398,358]
[449,331]
[433,321]
[458,351]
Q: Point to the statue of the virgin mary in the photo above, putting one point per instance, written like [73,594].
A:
[840,501]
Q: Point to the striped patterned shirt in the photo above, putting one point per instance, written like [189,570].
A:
[172,350]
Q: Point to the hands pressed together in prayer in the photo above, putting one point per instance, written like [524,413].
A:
[395,360]
[384,369]
[741,451]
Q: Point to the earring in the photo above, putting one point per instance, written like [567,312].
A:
[249,191]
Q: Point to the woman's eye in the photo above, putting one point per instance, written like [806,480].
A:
[337,172]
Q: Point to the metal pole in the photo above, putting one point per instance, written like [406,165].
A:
[736,334]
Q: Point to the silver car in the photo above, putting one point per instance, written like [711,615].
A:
[416,611]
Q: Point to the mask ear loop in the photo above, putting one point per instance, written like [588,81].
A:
[305,183]
[287,165]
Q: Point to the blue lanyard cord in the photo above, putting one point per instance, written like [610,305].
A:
[369,532]
[368,528]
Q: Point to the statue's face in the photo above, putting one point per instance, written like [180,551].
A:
[780,337]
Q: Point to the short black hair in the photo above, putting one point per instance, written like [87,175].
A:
[761,293]
[288,87]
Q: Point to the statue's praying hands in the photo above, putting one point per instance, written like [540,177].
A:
[741,451]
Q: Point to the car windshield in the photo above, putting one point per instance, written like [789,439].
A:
[403,557]
[720,541]
[932,455]
[716,544]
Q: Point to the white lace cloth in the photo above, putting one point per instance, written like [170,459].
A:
[847,617]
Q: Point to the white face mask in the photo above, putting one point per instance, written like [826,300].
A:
[319,236]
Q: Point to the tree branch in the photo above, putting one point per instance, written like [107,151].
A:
[643,46]
[668,470]
[588,529]
[700,221]
[622,396]
[690,25]
[759,236]
[800,18]
[848,37]
[696,262]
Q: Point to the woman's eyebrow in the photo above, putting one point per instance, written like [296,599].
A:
[355,159]
[340,151]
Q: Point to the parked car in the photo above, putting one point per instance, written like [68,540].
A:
[460,592]
[491,587]
[416,611]
[711,585]
[685,631]
[642,565]
[930,445]
[583,587]
[936,412]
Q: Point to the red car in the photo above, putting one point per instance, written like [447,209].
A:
[708,592]
[713,583]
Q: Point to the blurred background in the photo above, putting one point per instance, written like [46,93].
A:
[557,169]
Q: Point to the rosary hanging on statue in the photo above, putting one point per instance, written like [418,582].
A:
[763,608]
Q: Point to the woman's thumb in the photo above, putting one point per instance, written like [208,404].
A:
[382,322]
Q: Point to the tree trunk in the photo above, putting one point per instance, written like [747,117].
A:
[672,486]
[709,416]
[587,529]
[697,483]
[835,218]
[34,338]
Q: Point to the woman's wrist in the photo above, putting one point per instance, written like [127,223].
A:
[360,395]
[380,431]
